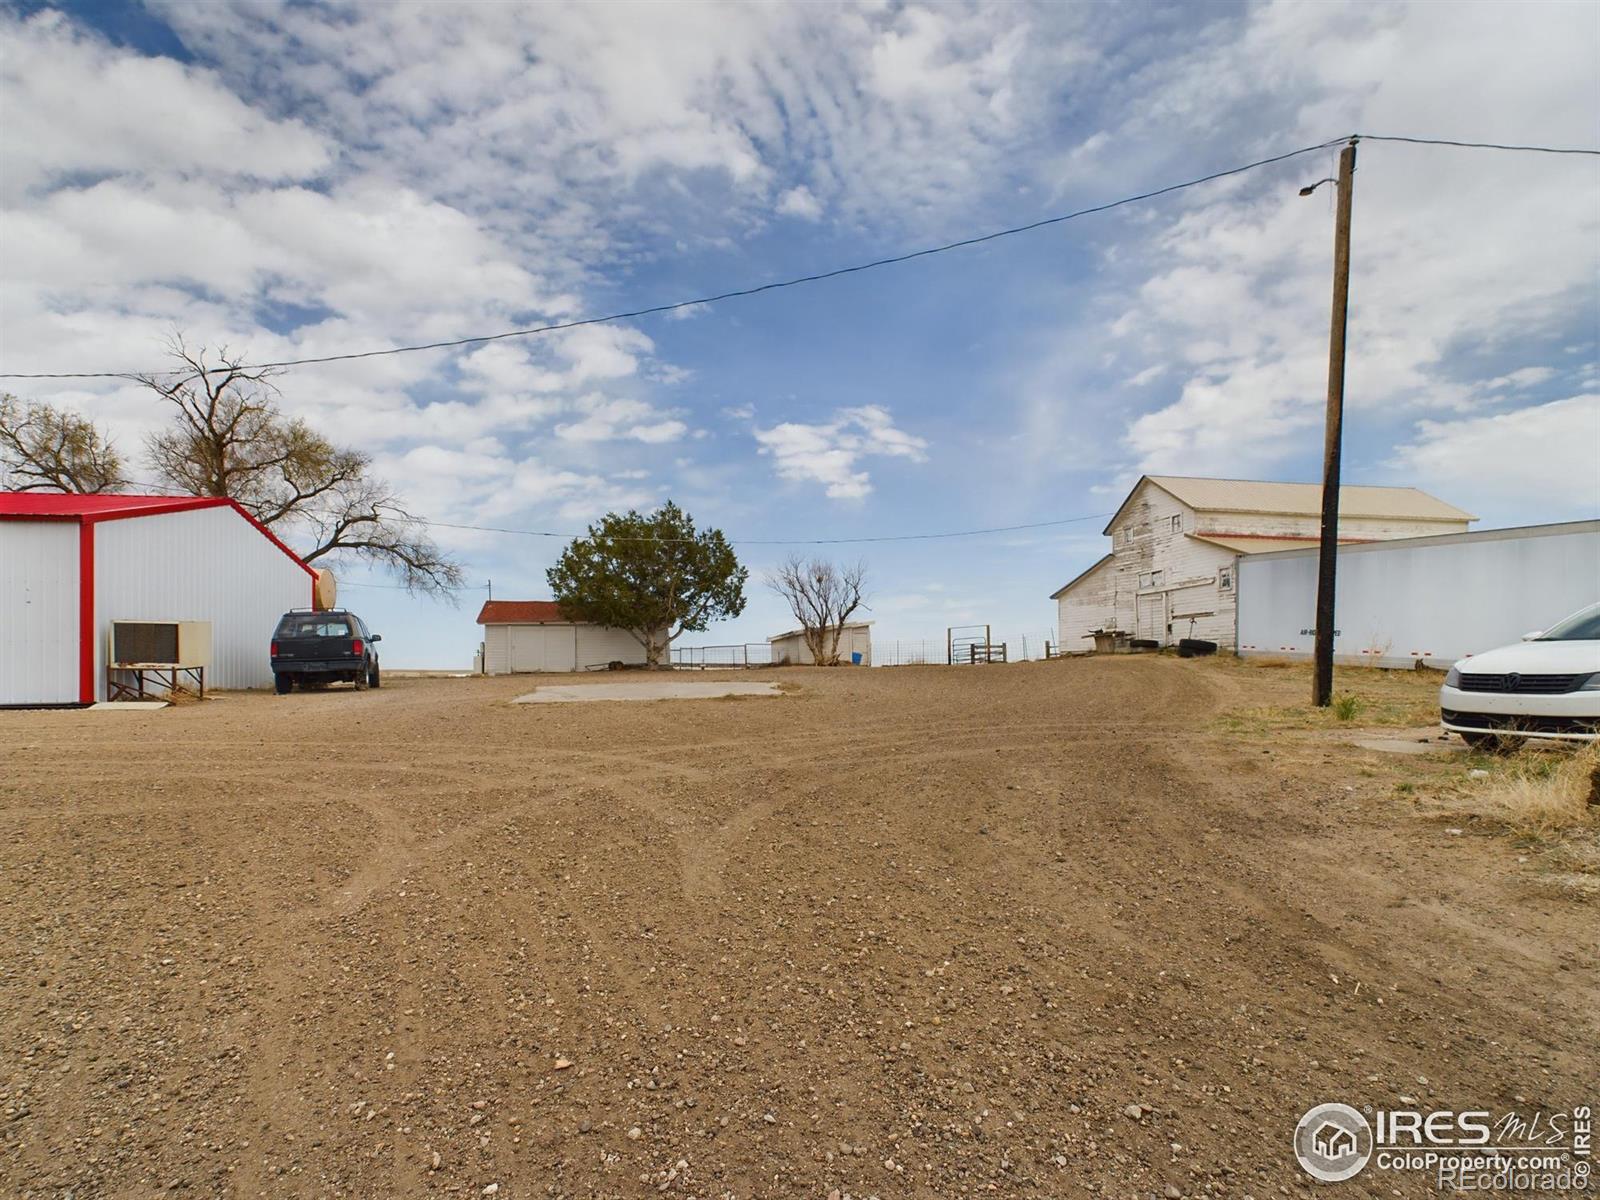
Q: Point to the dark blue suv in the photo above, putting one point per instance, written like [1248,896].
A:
[323,647]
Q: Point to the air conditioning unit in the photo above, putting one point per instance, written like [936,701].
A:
[185,644]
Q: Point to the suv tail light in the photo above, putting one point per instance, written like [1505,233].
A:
[357,646]
[274,649]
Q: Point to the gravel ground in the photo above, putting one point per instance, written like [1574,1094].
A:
[1047,929]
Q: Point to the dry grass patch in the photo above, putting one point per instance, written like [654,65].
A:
[1545,799]
[1537,792]
[1365,696]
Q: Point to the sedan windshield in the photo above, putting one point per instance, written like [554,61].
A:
[1579,627]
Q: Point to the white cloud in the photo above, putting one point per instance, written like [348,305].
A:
[799,202]
[612,419]
[1543,460]
[829,453]
[73,105]
[1231,294]
[1521,379]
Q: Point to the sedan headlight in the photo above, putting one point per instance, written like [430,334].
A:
[1452,677]
[1591,684]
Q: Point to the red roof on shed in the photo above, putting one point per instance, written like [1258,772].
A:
[523,612]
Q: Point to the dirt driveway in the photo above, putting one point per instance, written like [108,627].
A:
[1044,929]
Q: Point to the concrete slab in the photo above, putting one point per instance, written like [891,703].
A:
[665,689]
[126,706]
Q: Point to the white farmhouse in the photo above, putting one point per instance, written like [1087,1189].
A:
[1176,541]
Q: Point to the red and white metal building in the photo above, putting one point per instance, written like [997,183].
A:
[70,565]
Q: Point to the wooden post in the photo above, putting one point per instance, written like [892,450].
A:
[1333,432]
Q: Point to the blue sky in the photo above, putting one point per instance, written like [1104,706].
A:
[305,179]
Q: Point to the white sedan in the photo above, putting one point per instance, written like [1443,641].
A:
[1547,686]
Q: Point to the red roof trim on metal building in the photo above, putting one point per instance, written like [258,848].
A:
[69,506]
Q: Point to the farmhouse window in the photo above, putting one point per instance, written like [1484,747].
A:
[1177,523]
[1225,579]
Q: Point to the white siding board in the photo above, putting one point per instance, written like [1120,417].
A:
[1090,604]
[496,649]
[38,612]
[208,564]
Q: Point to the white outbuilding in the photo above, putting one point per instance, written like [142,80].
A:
[855,646]
[71,566]
[534,635]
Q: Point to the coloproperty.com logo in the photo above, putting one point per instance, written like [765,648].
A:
[1461,1151]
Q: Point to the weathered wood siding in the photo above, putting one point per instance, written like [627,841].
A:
[1090,605]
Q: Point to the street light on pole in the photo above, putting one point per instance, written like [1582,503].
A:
[1333,430]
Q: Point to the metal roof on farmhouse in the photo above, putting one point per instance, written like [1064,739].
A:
[524,612]
[1298,499]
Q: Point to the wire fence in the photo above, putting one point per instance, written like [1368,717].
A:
[1020,647]
[705,658]
[901,652]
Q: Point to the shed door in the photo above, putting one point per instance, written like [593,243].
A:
[39,612]
[541,648]
[1151,618]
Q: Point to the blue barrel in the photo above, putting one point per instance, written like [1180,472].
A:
[855,658]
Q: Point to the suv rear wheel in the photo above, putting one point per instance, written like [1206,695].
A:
[282,684]
[363,678]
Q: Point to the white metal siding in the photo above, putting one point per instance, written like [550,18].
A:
[599,644]
[38,612]
[206,564]
[1428,599]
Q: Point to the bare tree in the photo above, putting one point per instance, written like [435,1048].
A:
[822,598]
[229,438]
[45,449]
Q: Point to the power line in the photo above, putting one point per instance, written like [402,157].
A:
[738,293]
[847,541]
[731,294]
[1416,141]
[548,533]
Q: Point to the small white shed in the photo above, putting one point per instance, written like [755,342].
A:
[71,565]
[854,639]
[533,635]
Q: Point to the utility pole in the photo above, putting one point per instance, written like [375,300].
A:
[1333,432]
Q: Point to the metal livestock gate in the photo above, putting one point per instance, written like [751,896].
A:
[1428,600]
